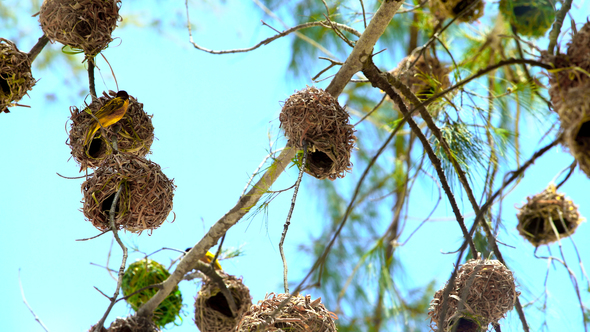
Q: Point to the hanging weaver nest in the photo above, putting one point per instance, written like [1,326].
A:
[547,216]
[574,115]
[146,272]
[212,312]
[530,17]
[81,24]
[145,200]
[571,69]
[443,9]
[15,75]
[426,78]
[135,137]
[298,315]
[133,324]
[489,290]
[315,116]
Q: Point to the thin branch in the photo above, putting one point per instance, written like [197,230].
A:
[91,78]
[559,17]
[37,48]
[22,293]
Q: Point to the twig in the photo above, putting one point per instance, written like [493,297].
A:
[91,79]
[288,222]
[371,111]
[559,17]
[22,293]
[94,237]
[37,48]
[572,167]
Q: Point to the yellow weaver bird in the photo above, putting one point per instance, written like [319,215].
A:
[109,114]
[208,258]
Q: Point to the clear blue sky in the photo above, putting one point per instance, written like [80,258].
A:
[212,118]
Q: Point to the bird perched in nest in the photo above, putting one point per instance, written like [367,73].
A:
[208,258]
[109,114]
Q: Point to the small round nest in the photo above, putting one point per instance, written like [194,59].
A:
[81,24]
[133,324]
[574,115]
[489,289]
[530,17]
[315,116]
[146,272]
[546,216]
[443,9]
[212,312]
[15,75]
[135,137]
[144,203]
[298,315]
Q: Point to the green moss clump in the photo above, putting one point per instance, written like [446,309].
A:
[531,18]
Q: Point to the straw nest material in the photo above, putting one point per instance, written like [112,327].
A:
[489,290]
[443,9]
[81,24]
[530,17]
[145,200]
[15,74]
[133,324]
[299,314]
[315,116]
[212,311]
[574,114]
[547,216]
[426,78]
[146,272]
[135,137]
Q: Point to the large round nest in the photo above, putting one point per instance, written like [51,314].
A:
[135,137]
[443,9]
[146,272]
[212,311]
[298,315]
[489,289]
[574,115]
[315,116]
[547,216]
[145,200]
[15,74]
[81,24]
[530,17]
[133,324]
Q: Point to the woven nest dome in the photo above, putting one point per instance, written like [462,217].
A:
[489,290]
[15,74]
[443,9]
[144,203]
[530,18]
[298,315]
[546,216]
[135,137]
[81,24]
[315,116]
[146,272]
[426,78]
[133,324]
[574,115]
[212,311]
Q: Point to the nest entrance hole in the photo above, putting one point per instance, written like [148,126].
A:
[95,148]
[218,302]
[4,85]
[320,159]
[584,132]
[461,5]
[466,325]
[522,10]
[536,226]
[108,202]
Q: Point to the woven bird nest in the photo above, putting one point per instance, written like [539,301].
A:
[546,216]
[489,290]
[146,272]
[443,9]
[530,17]
[212,311]
[574,114]
[133,324]
[15,75]
[81,24]
[135,137]
[315,116]
[144,203]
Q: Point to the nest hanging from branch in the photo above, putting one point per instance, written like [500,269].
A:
[443,9]
[530,17]
[133,324]
[15,75]
[135,137]
[315,116]
[546,216]
[146,272]
[300,314]
[144,203]
[212,312]
[489,289]
[574,115]
[81,24]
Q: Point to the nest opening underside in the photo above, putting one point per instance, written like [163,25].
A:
[15,74]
